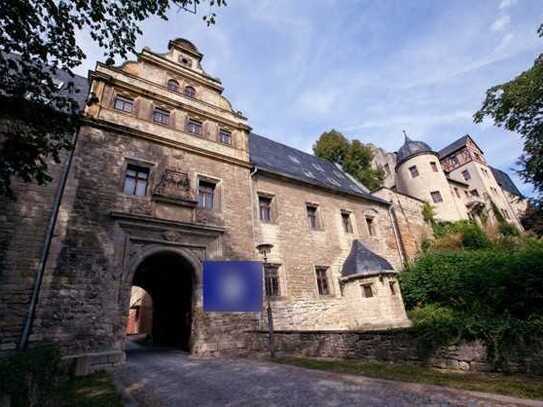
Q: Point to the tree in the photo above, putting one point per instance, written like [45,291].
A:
[532,220]
[517,105]
[39,37]
[354,157]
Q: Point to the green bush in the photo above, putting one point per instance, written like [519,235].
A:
[31,377]
[507,230]
[472,236]
[491,294]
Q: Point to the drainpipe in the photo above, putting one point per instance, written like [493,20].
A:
[23,343]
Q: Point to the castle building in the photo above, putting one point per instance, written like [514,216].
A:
[164,175]
[456,180]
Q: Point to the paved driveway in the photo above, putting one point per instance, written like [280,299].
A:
[173,378]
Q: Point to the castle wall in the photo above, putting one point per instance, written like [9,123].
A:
[299,249]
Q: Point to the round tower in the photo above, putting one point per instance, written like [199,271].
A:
[419,174]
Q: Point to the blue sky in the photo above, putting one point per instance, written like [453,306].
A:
[367,68]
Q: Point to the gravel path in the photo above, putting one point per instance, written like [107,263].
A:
[173,378]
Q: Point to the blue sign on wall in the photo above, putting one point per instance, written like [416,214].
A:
[232,286]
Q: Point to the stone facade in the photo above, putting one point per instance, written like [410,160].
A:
[162,179]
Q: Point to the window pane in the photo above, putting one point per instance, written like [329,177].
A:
[371,227]
[206,191]
[141,187]
[129,185]
[225,137]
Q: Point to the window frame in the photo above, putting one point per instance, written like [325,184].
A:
[213,187]
[434,194]
[434,166]
[364,287]
[370,225]
[138,169]
[347,222]
[189,91]
[124,100]
[322,279]
[312,216]
[228,133]
[161,112]
[272,289]
[175,87]
[198,124]
[466,175]
[269,208]
[414,171]
[392,285]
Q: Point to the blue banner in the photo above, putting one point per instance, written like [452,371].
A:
[232,286]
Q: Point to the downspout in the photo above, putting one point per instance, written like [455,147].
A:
[23,343]
[399,244]
[260,321]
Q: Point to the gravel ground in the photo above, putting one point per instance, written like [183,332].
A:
[154,377]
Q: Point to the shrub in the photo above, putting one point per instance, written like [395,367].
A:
[506,230]
[491,294]
[30,377]
[471,235]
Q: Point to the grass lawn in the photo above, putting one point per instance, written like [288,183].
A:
[89,391]
[509,385]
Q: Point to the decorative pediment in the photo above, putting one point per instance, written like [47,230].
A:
[174,187]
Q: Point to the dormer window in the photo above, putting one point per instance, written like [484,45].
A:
[173,85]
[190,91]
[194,127]
[185,61]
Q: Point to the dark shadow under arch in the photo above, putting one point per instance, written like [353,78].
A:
[169,278]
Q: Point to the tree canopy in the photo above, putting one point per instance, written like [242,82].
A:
[39,37]
[517,105]
[353,156]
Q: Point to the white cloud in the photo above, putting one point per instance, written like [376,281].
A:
[501,23]
[507,3]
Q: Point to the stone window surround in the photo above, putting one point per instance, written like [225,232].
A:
[318,217]
[436,196]
[329,281]
[223,129]
[218,191]
[163,111]
[347,215]
[139,163]
[366,294]
[273,207]
[281,281]
[371,215]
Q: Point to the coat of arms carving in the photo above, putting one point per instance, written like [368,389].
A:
[174,184]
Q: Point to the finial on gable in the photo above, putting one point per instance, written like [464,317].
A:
[406,137]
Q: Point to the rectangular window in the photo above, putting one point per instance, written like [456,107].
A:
[271,281]
[414,171]
[485,172]
[124,104]
[454,160]
[136,180]
[436,196]
[392,285]
[466,175]
[467,193]
[371,225]
[161,116]
[312,217]
[434,166]
[346,220]
[225,136]
[194,127]
[206,194]
[474,192]
[367,290]
[265,208]
[457,193]
[322,280]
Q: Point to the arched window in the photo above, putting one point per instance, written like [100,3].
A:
[173,85]
[190,91]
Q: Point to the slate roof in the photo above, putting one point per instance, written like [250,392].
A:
[505,182]
[411,148]
[455,145]
[363,262]
[80,88]
[280,159]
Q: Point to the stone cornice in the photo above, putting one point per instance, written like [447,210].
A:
[136,219]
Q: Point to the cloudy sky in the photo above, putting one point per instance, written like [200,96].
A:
[367,68]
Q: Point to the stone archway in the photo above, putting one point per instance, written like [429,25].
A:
[169,276]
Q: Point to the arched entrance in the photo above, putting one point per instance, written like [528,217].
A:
[168,278]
